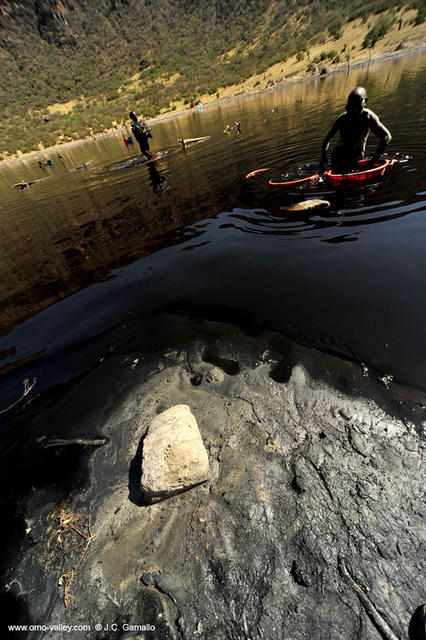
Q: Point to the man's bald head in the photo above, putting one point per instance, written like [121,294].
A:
[356,100]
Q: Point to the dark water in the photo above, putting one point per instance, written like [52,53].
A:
[89,255]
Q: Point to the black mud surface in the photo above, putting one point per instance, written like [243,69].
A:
[311,526]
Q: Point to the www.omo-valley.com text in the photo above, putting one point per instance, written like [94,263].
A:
[71,628]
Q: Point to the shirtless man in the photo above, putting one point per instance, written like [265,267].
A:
[354,126]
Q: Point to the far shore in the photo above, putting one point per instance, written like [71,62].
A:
[286,82]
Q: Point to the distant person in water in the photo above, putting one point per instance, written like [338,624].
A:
[142,132]
[354,126]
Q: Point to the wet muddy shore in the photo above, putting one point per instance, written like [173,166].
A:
[310,526]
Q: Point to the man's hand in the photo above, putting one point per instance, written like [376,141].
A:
[324,164]
[373,160]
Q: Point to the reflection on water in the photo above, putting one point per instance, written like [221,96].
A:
[112,237]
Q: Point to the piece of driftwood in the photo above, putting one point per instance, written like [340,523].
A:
[371,610]
[61,442]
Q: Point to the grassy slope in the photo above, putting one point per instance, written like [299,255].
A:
[224,66]
[351,40]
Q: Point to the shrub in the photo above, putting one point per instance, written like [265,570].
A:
[335,31]
[381,27]
[113,95]
[421,16]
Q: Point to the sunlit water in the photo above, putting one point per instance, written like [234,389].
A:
[87,250]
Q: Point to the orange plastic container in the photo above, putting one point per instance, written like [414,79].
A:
[293,183]
[255,172]
[378,169]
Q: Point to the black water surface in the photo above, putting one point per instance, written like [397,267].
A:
[89,254]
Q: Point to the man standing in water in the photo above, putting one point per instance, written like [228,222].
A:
[354,126]
[142,132]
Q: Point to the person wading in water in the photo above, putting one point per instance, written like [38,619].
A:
[142,132]
[354,126]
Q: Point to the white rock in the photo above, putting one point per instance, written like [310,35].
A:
[306,205]
[174,456]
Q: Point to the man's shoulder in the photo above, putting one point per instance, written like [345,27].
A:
[341,118]
[370,115]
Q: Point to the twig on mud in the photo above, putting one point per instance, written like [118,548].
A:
[66,579]
[245,626]
[28,385]
[70,526]
[60,442]
[371,610]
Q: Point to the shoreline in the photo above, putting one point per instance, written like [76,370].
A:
[282,478]
[287,82]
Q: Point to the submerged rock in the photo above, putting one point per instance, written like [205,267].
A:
[307,205]
[174,456]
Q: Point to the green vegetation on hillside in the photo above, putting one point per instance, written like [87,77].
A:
[380,28]
[109,55]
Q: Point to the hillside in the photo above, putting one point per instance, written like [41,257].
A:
[70,68]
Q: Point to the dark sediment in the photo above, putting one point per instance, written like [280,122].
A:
[312,524]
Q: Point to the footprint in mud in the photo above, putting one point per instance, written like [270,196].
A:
[281,371]
[229,366]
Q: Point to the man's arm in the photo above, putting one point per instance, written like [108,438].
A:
[381,132]
[145,128]
[325,143]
